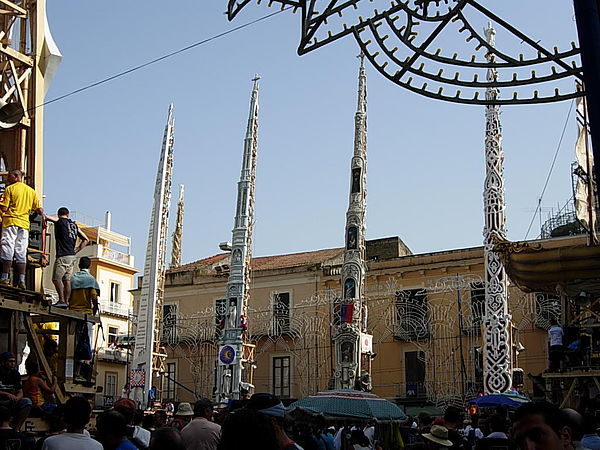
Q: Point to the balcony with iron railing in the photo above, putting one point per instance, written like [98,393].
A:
[107,253]
[119,309]
[414,390]
[116,256]
[117,355]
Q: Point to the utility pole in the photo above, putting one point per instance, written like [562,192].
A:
[235,358]
[146,356]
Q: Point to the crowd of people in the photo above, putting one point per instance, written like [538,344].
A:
[533,425]
[262,422]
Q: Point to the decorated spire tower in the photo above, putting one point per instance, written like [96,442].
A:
[497,377]
[147,355]
[352,312]
[234,364]
[178,233]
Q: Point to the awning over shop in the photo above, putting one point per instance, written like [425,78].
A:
[562,266]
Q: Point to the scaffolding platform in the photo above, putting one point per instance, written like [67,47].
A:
[561,385]
[25,312]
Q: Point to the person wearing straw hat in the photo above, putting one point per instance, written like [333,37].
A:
[183,416]
[437,438]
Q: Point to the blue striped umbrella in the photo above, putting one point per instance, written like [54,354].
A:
[492,400]
[350,403]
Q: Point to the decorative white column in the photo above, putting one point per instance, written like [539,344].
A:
[146,352]
[352,314]
[178,233]
[497,377]
[230,360]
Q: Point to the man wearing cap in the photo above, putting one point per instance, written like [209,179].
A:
[437,438]
[202,433]
[271,406]
[11,392]
[139,436]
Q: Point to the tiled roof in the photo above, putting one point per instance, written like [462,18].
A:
[295,259]
[265,262]
[205,263]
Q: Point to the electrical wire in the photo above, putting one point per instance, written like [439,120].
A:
[161,58]
[551,169]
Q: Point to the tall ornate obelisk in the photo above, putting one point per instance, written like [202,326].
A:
[232,368]
[351,314]
[497,377]
[146,352]
[178,233]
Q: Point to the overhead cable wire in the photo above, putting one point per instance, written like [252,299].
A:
[161,58]
[539,205]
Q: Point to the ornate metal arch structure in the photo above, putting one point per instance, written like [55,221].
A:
[402,40]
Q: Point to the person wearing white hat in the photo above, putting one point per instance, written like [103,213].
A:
[437,438]
[183,416]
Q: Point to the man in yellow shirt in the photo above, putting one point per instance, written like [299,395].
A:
[17,202]
[84,289]
[84,298]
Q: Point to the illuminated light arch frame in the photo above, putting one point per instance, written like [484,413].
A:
[399,39]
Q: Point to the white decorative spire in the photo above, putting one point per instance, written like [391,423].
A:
[178,233]
[352,309]
[497,377]
[232,364]
[147,336]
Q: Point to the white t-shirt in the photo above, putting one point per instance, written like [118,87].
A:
[71,441]
[556,335]
[478,433]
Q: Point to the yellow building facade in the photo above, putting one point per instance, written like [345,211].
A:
[424,313]
[113,268]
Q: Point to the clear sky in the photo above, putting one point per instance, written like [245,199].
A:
[425,157]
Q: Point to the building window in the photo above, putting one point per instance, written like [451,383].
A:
[547,307]
[115,292]
[414,373]
[220,315]
[281,376]
[170,376]
[169,319]
[281,312]
[412,315]
[472,325]
[110,388]
[113,332]
[478,364]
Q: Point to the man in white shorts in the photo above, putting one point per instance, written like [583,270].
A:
[17,202]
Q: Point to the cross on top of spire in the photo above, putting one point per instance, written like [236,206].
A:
[361,56]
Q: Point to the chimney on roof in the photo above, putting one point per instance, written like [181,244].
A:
[107,220]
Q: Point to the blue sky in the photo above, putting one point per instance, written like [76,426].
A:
[425,157]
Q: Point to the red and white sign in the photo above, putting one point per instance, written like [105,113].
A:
[366,343]
[137,378]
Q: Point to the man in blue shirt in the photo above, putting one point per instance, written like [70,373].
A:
[590,437]
[66,233]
